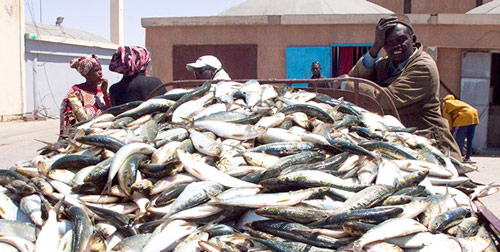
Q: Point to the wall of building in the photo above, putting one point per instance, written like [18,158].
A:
[449,64]
[271,47]
[451,36]
[12,48]
[51,77]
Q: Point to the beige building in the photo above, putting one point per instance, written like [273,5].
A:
[253,40]
[12,66]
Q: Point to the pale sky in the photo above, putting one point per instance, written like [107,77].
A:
[93,15]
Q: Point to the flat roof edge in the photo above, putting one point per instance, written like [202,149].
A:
[433,19]
[70,41]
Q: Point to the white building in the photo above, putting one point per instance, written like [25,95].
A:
[35,60]
[48,51]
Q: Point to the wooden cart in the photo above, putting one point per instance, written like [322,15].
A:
[366,102]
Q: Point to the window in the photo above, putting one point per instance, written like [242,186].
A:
[335,60]
[344,57]
[407,7]
[239,61]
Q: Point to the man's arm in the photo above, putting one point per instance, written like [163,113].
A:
[364,68]
[413,86]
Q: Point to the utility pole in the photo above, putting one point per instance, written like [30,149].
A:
[116,21]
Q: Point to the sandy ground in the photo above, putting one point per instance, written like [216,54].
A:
[18,139]
[18,142]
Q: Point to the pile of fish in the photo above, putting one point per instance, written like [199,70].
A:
[241,167]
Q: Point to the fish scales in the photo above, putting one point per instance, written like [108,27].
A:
[322,163]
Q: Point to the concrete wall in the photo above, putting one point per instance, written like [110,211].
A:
[52,76]
[449,64]
[475,90]
[449,33]
[12,51]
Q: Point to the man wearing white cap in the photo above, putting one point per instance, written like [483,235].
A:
[208,67]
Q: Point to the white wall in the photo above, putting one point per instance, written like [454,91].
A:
[475,90]
[12,103]
[54,77]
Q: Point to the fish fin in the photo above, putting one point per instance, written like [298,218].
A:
[460,233]
[213,199]
[107,188]
[46,204]
[59,204]
[190,122]
[74,145]
[47,145]
[305,230]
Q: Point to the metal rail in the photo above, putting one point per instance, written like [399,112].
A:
[354,96]
[485,215]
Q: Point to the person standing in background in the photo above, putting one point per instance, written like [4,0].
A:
[136,85]
[462,120]
[86,100]
[316,74]
[208,67]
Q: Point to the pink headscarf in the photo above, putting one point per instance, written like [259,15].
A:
[84,64]
[129,60]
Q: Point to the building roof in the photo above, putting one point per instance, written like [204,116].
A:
[61,34]
[492,7]
[300,7]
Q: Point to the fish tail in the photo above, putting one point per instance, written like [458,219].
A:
[357,247]
[107,188]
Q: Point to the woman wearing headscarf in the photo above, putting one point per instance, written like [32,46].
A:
[86,100]
[136,85]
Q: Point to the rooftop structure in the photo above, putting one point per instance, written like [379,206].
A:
[300,7]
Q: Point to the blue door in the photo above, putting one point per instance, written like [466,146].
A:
[299,60]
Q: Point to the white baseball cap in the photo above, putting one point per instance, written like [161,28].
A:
[203,61]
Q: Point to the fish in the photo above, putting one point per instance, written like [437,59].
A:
[311,178]
[206,172]
[120,221]
[372,215]
[266,199]
[147,107]
[231,166]
[290,230]
[388,229]
[166,238]
[195,194]
[48,237]
[120,158]
[83,228]
[193,94]
[231,130]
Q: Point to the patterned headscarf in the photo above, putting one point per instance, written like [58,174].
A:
[84,64]
[129,60]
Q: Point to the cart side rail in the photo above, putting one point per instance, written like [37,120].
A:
[357,98]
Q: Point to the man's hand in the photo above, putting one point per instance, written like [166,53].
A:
[383,25]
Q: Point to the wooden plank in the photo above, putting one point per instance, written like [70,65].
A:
[493,221]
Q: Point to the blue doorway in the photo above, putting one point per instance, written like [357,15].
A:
[299,60]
